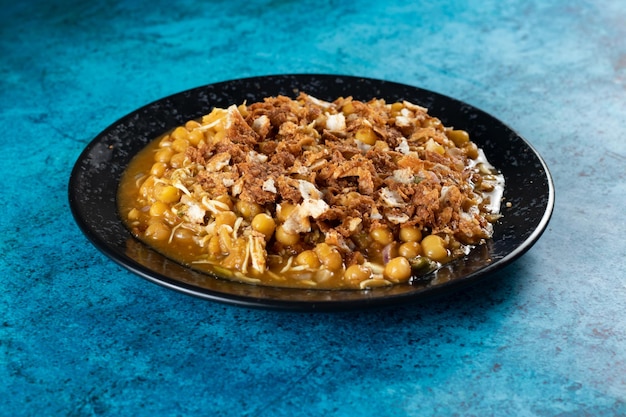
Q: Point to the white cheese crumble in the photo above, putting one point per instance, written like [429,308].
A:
[195,213]
[312,206]
[336,122]
[260,123]
[403,175]
[403,147]
[391,198]
[269,185]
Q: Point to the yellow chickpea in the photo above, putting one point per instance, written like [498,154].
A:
[284,210]
[157,231]
[397,270]
[329,256]
[247,209]
[146,190]
[178,160]
[158,209]
[195,137]
[382,235]
[471,150]
[167,193]
[164,155]
[180,133]
[410,234]
[158,169]
[348,108]
[264,223]
[357,273]
[410,249]
[459,137]
[225,217]
[180,144]
[134,214]
[285,237]
[165,141]
[396,107]
[309,259]
[433,122]
[191,125]
[434,247]
[366,135]
[183,234]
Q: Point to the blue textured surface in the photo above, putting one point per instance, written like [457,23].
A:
[79,336]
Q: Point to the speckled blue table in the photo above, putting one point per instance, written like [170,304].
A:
[80,336]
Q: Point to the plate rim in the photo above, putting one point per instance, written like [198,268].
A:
[300,305]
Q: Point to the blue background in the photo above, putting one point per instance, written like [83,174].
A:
[80,336]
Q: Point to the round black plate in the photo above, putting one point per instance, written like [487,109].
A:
[94,181]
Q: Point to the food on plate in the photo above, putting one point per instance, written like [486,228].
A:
[309,193]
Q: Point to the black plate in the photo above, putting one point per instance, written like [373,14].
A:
[94,181]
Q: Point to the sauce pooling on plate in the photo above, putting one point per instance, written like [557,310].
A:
[307,193]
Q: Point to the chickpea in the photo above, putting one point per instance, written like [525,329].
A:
[247,209]
[164,155]
[191,125]
[433,122]
[167,193]
[166,140]
[195,137]
[471,150]
[178,160]
[459,137]
[410,234]
[147,188]
[158,208]
[308,258]
[398,269]
[157,231]
[264,223]
[382,235]
[357,273]
[396,107]
[366,135]
[329,256]
[348,108]
[285,237]
[158,169]
[433,247]
[284,210]
[134,214]
[180,144]
[183,234]
[410,249]
[180,133]
[225,217]
[215,114]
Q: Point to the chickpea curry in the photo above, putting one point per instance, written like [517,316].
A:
[307,193]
